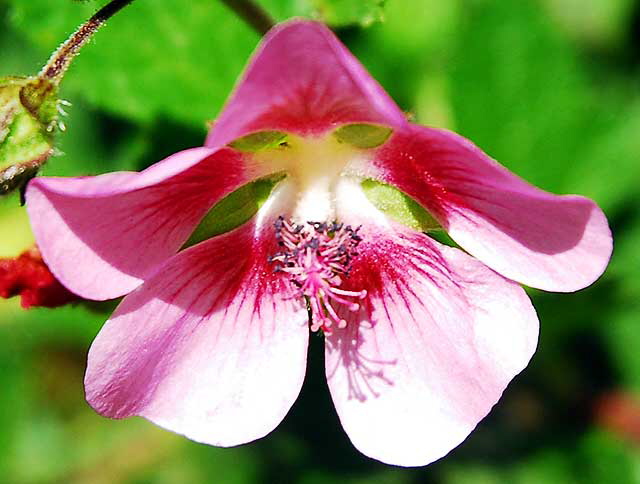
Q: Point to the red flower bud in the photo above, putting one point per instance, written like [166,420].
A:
[29,277]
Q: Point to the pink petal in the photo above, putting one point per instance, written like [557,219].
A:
[102,235]
[210,347]
[431,350]
[552,242]
[304,81]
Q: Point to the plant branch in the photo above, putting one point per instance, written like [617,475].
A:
[59,62]
[252,13]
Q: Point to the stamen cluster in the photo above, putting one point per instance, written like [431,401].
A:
[317,256]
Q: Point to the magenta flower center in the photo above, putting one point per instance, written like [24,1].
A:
[316,256]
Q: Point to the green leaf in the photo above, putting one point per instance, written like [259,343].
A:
[399,206]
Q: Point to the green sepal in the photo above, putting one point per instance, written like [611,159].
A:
[362,135]
[399,206]
[258,141]
[233,210]
[28,115]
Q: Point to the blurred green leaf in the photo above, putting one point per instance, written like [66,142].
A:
[14,224]
[600,23]
[164,58]
[609,169]
[336,13]
[542,119]
[537,116]
[386,476]
[94,143]
[597,459]
[151,59]
[547,467]
[626,258]
[473,474]
[605,458]
[339,13]
[410,45]
[622,327]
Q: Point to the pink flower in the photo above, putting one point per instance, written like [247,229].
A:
[421,338]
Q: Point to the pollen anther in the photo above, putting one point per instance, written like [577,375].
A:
[317,257]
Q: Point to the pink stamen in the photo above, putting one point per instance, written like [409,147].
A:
[317,256]
[359,294]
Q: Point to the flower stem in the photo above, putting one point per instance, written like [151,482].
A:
[59,62]
[252,13]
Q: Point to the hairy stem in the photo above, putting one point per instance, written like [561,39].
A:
[251,13]
[57,65]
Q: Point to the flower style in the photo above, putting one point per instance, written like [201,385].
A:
[421,338]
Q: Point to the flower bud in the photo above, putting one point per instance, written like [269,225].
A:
[28,120]
[29,277]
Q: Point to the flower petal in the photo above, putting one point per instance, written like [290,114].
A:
[432,348]
[209,347]
[551,242]
[304,81]
[101,235]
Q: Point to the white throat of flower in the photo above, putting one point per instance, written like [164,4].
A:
[316,249]
[314,167]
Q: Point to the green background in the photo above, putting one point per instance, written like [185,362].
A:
[550,88]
